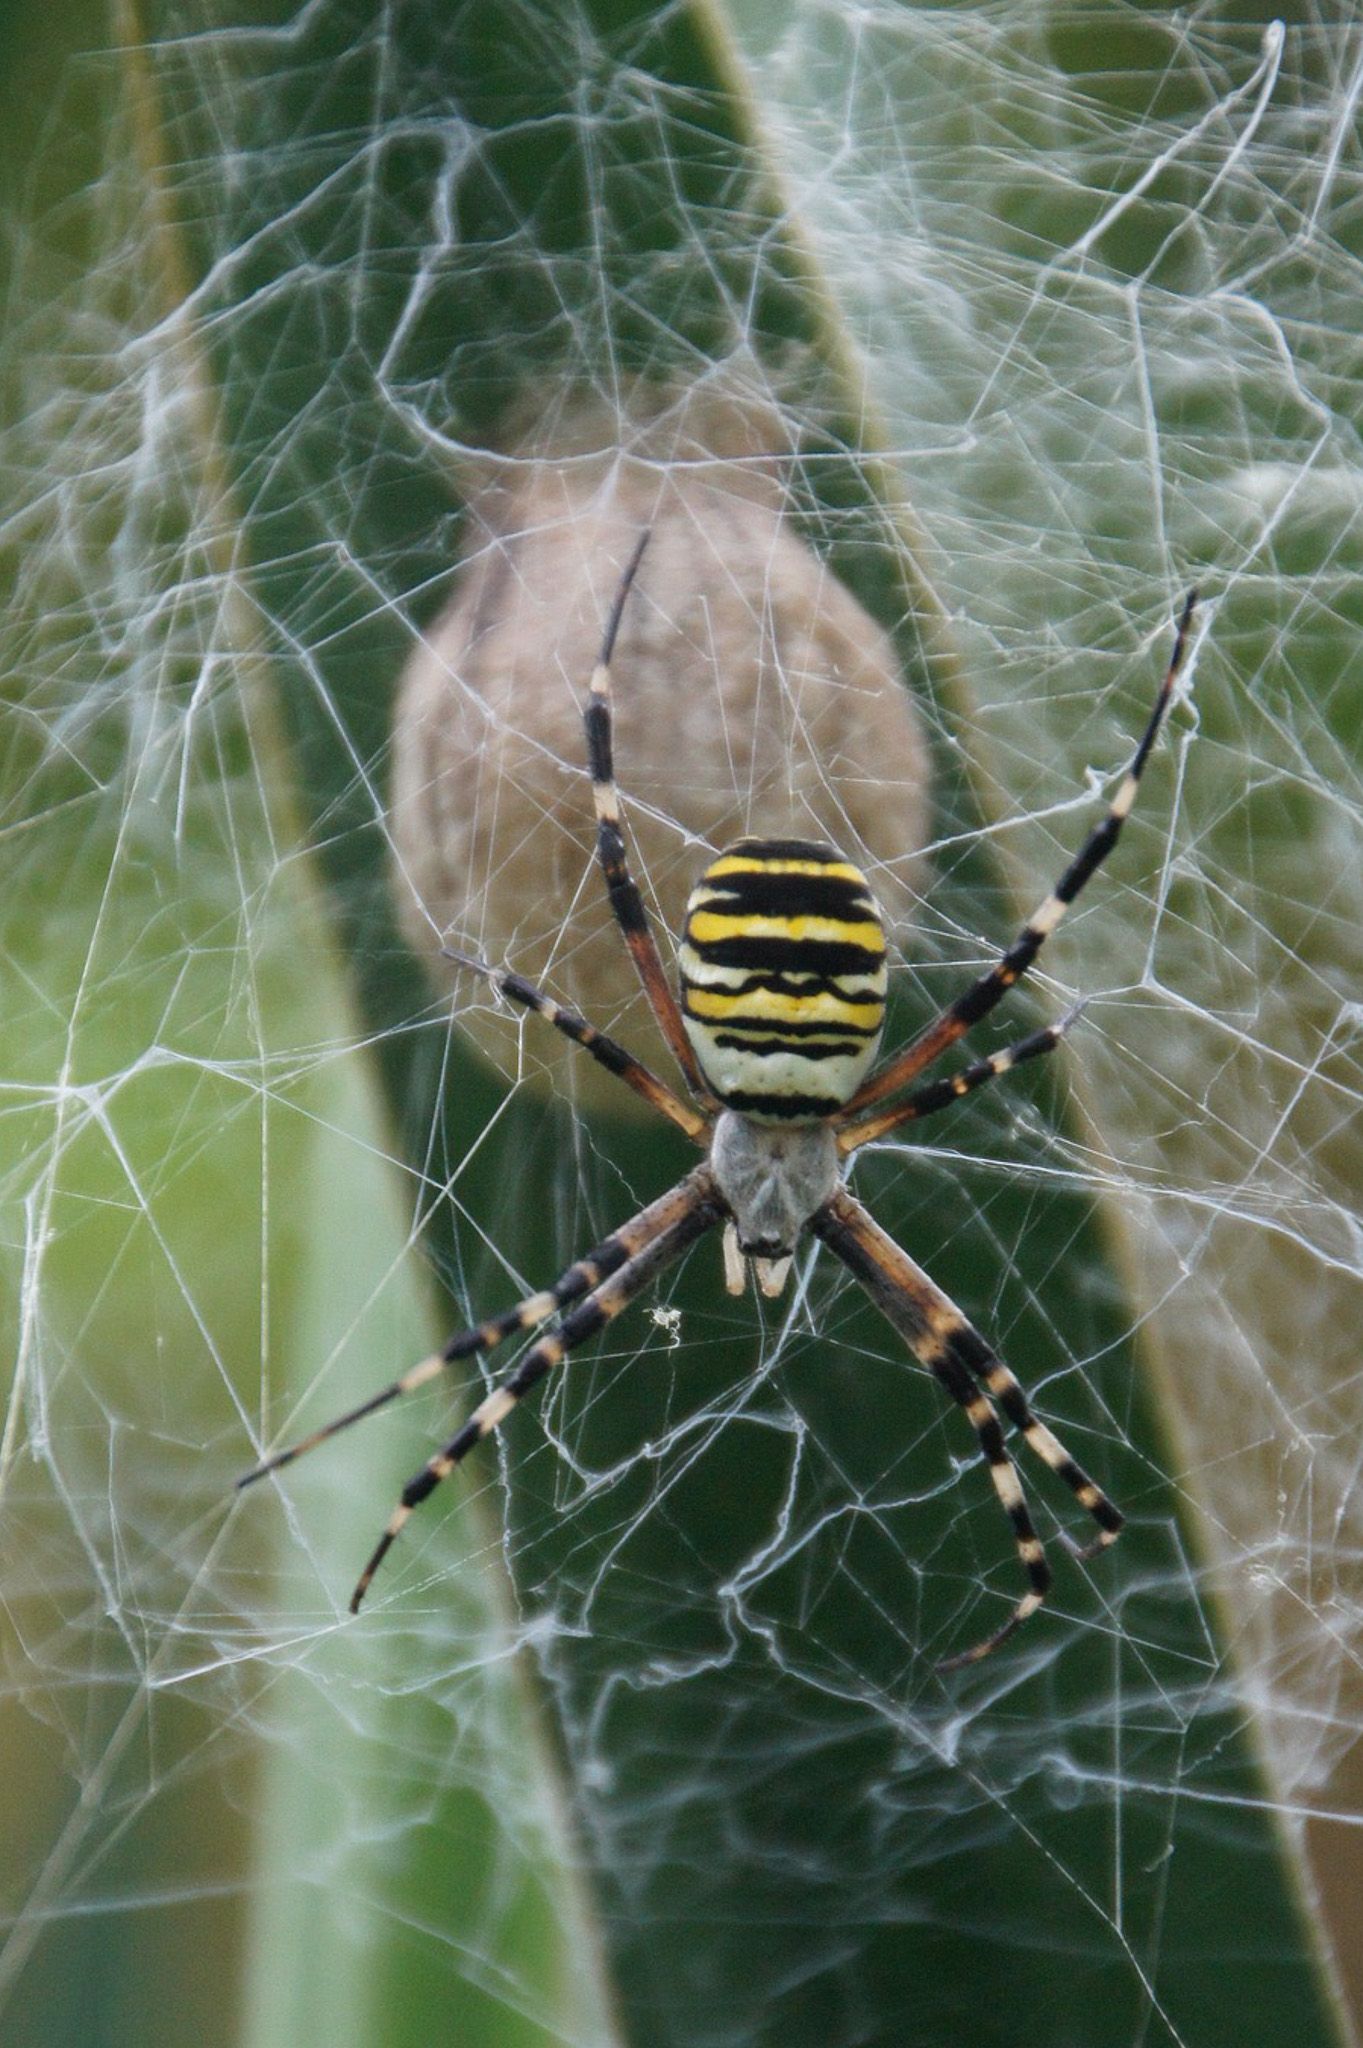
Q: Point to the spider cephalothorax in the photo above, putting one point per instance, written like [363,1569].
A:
[783,977]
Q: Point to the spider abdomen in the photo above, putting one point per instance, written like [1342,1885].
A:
[783,978]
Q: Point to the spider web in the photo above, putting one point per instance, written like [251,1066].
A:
[668,1645]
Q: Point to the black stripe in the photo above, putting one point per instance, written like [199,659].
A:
[764,895]
[426,1481]
[934,1096]
[990,1434]
[787,849]
[969,1349]
[752,1103]
[597,721]
[797,986]
[626,901]
[763,1047]
[1087,859]
[981,998]
[819,956]
[780,1027]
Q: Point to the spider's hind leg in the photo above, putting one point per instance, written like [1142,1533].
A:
[660,1234]
[582,1277]
[1005,1388]
[942,1339]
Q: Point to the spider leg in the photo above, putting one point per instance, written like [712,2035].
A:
[692,1206]
[608,1052]
[992,986]
[935,1095]
[942,1339]
[625,900]
[576,1280]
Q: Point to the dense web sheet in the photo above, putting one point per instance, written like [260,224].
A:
[1103,302]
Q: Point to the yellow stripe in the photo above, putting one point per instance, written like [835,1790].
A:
[770,1003]
[746,864]
[704,927]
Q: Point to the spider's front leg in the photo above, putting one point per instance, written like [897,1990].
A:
[607,1052]
[991,987]
[622,889]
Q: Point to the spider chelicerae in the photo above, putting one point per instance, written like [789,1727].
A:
[783,980]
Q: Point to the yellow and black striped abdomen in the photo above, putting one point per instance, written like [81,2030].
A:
[783,978]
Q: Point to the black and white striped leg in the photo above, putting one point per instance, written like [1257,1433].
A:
[943,1340]
[935,1095]
[625,900]
[607,1052]
[991,987]
[576,1280]
[1007,1390]
[695,1206]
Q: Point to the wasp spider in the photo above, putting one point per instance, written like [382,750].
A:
[783,977]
